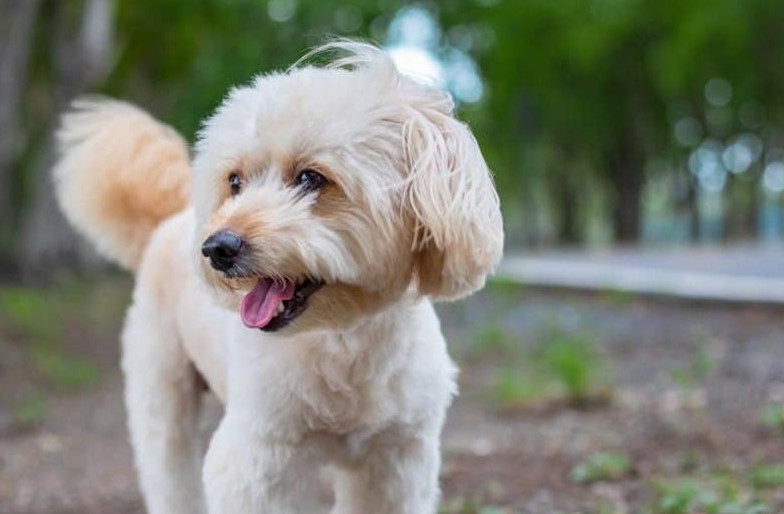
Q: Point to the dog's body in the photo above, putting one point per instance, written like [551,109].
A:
[331,238]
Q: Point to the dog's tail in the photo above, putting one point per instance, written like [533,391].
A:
[120,174]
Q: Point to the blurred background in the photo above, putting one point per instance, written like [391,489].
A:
[628,356]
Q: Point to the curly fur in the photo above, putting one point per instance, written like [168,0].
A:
[361,380]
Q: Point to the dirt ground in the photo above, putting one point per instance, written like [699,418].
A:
[650,406]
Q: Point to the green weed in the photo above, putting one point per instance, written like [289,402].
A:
[699,369]
[601,467]
[63,370]
[768,476]
[504,288]
[617,296]
[690,495]
[469,505]
[31,410]
[773,416]
[515,387]
[573,361]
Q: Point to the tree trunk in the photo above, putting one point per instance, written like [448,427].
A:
[81,58]
[16,39]
[626,183]
[568,210]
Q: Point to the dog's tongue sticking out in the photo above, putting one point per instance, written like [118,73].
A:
[261,304]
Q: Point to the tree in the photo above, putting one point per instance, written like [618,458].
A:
[16,39]
[80,36]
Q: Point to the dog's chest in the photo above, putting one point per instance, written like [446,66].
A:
[351,395]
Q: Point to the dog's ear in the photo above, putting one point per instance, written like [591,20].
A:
[458,237]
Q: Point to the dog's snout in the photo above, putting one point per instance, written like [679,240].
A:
[223,248]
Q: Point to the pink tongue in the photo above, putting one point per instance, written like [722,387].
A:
[261,304]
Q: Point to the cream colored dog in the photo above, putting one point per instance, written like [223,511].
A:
[329,206]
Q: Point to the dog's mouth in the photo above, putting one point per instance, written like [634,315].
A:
[273,304]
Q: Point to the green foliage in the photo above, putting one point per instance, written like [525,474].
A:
[601,467]
[617,296]
[463,505]
[24,309]
[40,318]
[773,416]
[768,476]
[696,371]
[574,362]
[515,386]
[691,495]
[61,369]
[504,289]
[31,410]
[561,366]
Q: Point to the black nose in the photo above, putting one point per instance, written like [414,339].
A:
[223,248]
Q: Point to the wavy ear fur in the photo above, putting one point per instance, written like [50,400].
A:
[450,193]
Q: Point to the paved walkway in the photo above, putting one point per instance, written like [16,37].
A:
[737,274]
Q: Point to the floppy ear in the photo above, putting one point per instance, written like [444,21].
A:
[458,236]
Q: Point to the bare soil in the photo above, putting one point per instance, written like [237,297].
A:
[685,388]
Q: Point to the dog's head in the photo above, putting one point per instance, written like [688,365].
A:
[324,194]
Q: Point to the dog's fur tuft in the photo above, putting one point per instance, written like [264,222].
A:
[120,174]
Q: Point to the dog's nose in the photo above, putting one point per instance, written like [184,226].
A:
[223,248]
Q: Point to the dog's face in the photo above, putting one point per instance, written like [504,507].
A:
[325,194]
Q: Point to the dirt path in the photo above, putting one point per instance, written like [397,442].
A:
[686,388]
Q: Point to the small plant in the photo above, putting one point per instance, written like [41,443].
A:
[504,288]
[515,387]
[601,467]
[62,370]
[699,369]
[773,416]
[691,496]
[573,361]
[617,296]
[472,505]
[768,476]
[31,410]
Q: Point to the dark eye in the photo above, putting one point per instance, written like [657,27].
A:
[310,180]
[235,183]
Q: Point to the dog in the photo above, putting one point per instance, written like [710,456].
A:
[290,265]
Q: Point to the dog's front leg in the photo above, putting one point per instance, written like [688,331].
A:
[397,476]
[163,400]
[245,472]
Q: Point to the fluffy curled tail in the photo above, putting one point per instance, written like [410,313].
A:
[120,174]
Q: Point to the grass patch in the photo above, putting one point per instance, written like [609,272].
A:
[562,366]
[504,288]
[768,476]
[573,361]
[61,369]
[30,411]
[601,467]
[463,505]
[721,495]
[41,321]
[773,416]
[617,296]
[696,371]
[514,387]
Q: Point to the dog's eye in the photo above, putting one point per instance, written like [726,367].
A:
[235,183]
[310,180]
